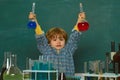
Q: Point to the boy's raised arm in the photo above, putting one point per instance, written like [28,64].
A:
[38,29]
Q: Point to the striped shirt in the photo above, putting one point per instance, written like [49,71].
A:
[63,62]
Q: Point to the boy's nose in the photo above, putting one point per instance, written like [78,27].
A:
[58,42]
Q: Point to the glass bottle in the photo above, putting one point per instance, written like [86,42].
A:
[113,52]
[13,72]
[6,63]
[116,59]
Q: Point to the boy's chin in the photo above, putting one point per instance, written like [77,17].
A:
[58,48]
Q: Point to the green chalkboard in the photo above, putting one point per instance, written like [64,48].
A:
[102,15]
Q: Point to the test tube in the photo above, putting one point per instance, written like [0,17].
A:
[85,67]
[116,68]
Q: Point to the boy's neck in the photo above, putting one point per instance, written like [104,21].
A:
[58,51]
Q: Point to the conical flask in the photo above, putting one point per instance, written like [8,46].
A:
[13,72]
[6,63]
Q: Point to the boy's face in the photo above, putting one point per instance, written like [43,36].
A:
[57,42]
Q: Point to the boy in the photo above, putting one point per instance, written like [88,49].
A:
[56,47]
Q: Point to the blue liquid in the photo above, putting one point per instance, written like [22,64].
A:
[31,24]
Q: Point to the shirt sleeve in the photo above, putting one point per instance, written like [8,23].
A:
[72,42]
[38,30]
[42,43]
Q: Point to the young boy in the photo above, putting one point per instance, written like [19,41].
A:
[56,47]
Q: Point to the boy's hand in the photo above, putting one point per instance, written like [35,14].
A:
[82,24]
[81,17]
[38,29]
[32,16]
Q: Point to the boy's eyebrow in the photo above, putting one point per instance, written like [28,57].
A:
[60,37]
[54,37]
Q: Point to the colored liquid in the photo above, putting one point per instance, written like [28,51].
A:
[13,77]
[83,26]
[12,73]
[32,24]
[27,76]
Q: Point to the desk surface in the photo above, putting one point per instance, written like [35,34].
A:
[98,75]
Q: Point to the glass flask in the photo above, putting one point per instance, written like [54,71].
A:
[13,72]
[83,25]
[6,63]
[32,24]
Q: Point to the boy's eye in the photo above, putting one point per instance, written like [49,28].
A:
[61,39]
[54,39]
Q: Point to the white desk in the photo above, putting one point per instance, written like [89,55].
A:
[106,75]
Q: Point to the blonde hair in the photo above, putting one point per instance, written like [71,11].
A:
[54,32]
